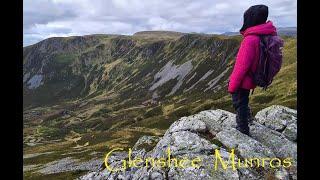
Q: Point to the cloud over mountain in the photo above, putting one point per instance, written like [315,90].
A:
[48,18]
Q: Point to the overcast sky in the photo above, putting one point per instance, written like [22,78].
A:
[48,18]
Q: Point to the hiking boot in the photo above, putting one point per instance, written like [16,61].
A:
[245,131]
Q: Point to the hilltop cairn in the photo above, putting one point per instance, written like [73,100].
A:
[272,143]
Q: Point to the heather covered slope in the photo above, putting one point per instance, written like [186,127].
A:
[84,95]
[125,66]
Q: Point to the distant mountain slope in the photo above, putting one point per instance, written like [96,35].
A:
[158,34]
[288,31]
[282,31]
[63,68]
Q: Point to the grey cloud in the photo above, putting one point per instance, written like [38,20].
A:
[44,11]
[47,18]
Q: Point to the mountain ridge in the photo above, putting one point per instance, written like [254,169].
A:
[282,31]
[289,31]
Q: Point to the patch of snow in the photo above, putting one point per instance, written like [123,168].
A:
[170,71]
[35,81]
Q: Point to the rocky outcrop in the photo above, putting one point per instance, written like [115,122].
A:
[207,133]
[281,119]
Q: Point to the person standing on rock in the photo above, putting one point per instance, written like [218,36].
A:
[241,81]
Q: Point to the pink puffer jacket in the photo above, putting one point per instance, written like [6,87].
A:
[248,56]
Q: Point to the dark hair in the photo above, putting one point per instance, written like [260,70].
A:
[255,15]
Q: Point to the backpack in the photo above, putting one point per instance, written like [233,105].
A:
[270,60]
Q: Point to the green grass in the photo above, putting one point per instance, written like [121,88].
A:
[51,132]
[55,176]
[153,112]
[101,112]
[65,58]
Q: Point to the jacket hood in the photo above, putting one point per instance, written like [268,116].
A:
[255,15]
[262,29]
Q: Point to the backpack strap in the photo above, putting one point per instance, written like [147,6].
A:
[261,37]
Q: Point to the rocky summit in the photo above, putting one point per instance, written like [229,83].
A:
[273,136]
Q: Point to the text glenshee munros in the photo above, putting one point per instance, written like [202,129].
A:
[219,162]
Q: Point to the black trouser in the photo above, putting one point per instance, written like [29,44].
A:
[240,101]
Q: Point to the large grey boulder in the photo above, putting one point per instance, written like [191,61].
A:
[191,123]
[291,131]
[218,120]
[146,143]
[277,117]
[246,146]
[281,146]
